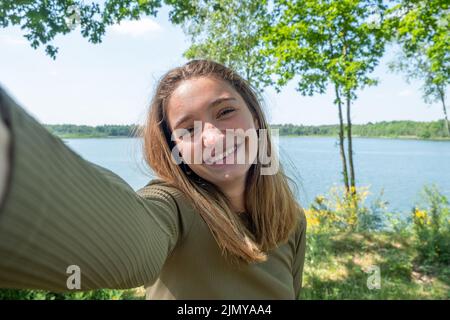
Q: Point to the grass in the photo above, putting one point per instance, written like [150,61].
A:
[336,268]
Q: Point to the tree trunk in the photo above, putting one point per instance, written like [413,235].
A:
[446,123]
[341,140]
[350,146]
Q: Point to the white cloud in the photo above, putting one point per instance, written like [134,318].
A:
[405,93]
[137,28]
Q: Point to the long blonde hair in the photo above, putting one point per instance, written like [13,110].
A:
[271,208]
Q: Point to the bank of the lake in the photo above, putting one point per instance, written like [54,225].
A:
[400,129]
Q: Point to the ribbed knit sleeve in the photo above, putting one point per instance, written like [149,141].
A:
[60,210]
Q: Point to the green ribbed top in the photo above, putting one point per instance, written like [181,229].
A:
[60,210]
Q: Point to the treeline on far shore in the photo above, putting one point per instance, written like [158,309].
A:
[388,129]
[82,131]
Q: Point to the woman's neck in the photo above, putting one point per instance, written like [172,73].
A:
[236,193]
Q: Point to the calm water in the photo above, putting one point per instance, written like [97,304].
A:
[399,167]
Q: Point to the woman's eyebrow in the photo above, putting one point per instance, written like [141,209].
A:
[211,105]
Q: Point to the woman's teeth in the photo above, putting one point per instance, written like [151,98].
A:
[221,156]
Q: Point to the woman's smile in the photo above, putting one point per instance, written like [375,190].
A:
[225,159]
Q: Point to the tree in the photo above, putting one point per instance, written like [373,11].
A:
[43,20]
[422,30]
[324,43]
[228,31]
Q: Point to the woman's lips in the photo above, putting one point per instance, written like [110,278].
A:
[223,161]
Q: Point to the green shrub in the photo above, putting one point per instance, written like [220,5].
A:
[346,211]
[101,294]
[432,227]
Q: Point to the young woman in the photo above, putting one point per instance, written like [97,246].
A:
[208,229]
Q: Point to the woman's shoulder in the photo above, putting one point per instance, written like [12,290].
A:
[164,191]
[158,188]
[301,218]
[156,185]
[301,224]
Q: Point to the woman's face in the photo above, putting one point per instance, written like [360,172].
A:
[213,129]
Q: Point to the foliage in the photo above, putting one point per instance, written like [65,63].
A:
[421,27]
[77,131]
[102,294]
[339,258]
[322,42]
[385,129]
[228,31]
[327,43]
[337,266]
[432,227]
[43,20]
[342,211]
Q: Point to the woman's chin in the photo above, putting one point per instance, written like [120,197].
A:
[227,172]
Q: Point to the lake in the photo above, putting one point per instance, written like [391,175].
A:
[399,167]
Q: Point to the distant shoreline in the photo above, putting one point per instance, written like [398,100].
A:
[370,137]
[402,129]
[286,136]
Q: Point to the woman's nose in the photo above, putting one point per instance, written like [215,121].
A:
[211,136]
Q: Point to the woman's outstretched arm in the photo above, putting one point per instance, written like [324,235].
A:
[60,214]
[4,161]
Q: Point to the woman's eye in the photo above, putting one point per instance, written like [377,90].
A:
[226,111]
[190,130]
[187,134]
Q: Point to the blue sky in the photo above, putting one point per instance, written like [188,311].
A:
[112,82]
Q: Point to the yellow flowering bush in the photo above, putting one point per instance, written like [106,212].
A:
[432,227]
[341,211]
[420,217]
